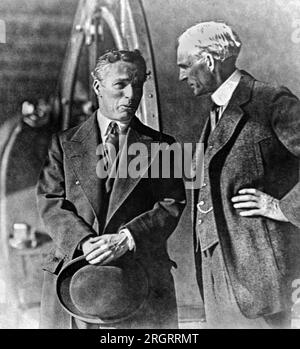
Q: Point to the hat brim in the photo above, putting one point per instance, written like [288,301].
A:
[63,293]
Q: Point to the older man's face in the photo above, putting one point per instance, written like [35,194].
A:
[196,72]
[121,91]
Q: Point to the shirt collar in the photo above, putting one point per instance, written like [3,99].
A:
[223,94]
[104,122]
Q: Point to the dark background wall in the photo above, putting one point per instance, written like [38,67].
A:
[30,61]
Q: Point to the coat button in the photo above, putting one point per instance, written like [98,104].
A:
[77,182]
[200,221]
[204,185]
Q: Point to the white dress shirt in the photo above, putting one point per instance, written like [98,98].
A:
[104,122]
[221,97]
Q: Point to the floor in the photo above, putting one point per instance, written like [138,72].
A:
[28,319]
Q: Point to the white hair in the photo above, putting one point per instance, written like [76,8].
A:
[216,38]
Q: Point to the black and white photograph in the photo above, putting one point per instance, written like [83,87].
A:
[149,166]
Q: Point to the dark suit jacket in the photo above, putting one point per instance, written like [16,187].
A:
[69,201]
[256,144]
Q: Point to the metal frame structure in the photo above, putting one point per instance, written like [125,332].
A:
[128,26]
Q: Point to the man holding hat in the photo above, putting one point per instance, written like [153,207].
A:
[109,266]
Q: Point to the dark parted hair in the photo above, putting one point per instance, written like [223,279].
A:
[113,56]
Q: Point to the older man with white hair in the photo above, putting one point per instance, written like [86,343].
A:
[246,215]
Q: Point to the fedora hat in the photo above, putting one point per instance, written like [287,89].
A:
[102,293]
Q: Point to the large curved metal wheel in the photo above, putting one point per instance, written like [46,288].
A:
[100,25]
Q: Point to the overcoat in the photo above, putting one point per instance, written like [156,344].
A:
[256,144]
[71,205]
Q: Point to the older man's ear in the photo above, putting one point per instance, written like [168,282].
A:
[209,61]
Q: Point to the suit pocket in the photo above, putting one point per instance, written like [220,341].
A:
[276,243]
[260,149]
[52,263]
[269,153]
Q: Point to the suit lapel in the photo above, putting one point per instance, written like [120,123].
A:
[198,164]
[205,133]
[224,130]
[81,152]
[231,118]
[124,186]
[198,156]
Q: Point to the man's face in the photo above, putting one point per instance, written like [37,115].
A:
[121,91]
[196,72]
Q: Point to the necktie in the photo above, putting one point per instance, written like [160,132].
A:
[112,143]
[214,116]
[111,152]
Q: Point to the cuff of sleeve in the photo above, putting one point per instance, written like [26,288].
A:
[289,212]
[131,243]
[79,246]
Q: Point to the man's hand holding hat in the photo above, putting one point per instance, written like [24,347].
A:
[106,248]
